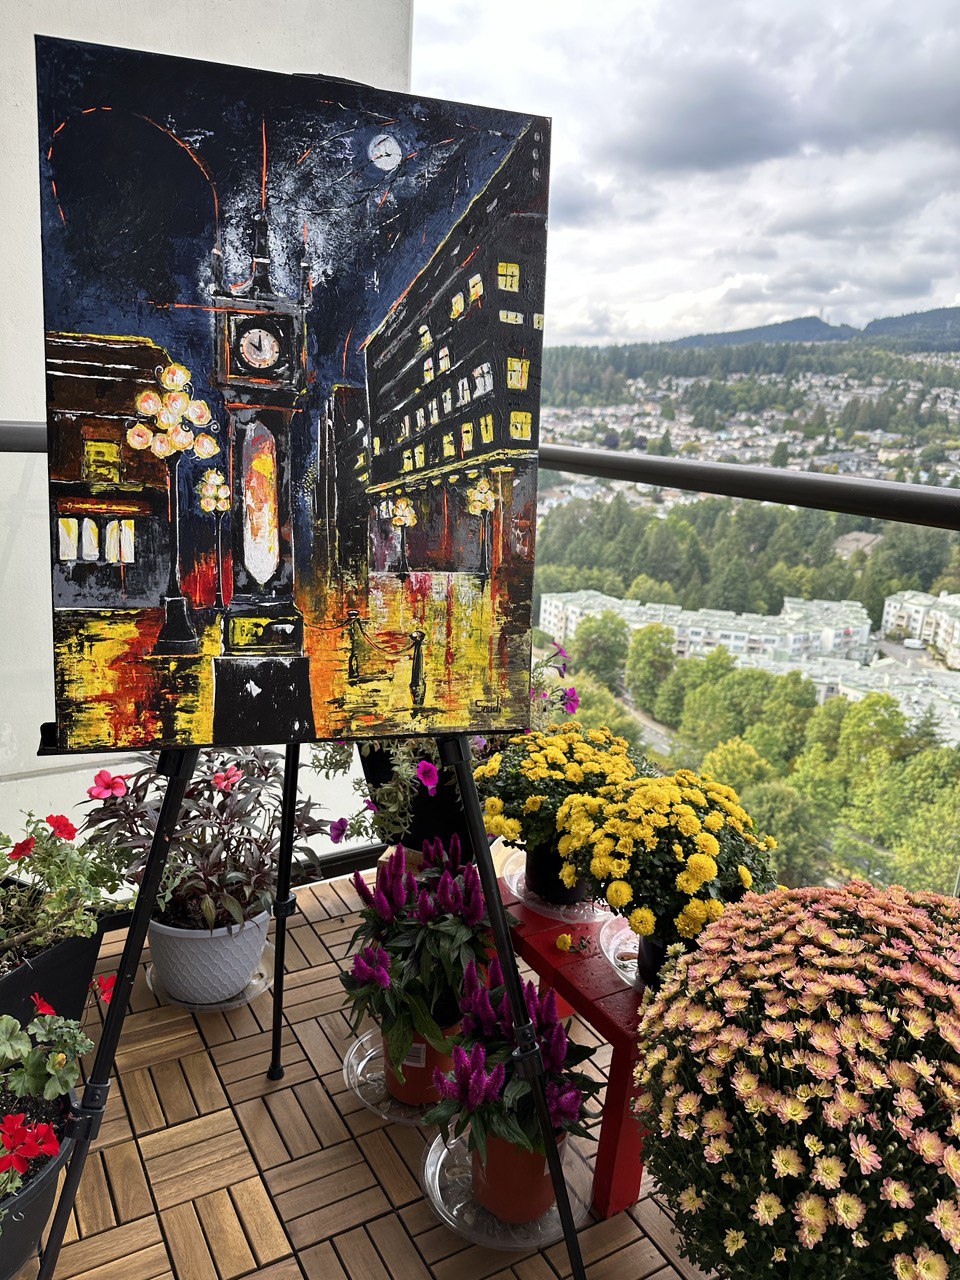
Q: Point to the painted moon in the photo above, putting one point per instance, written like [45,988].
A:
[384,151]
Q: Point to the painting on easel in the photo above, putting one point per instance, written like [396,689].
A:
[294,333]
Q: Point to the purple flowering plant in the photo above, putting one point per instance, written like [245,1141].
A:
[485,1093]
[418,935]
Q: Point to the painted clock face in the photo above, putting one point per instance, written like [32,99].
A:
[260,348]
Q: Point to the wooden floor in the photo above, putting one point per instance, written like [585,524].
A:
[205,1170]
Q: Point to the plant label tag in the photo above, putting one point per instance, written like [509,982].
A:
[417,1057]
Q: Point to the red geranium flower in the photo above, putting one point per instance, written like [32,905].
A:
[61,826]
[104,984]
[24,1142]
[41,1005]
[22,848]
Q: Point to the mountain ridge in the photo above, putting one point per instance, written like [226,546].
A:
[942,324]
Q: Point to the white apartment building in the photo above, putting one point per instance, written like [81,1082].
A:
[802,629]
[935,620]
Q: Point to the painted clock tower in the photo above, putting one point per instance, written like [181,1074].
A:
[262,682]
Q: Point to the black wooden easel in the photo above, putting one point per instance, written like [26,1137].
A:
[178,766]
[454,754]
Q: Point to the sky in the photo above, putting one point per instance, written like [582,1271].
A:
[719,164]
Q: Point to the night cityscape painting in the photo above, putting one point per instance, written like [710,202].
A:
[294,329]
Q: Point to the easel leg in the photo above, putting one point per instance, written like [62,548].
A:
[177,766]
[285,904]
[455,753]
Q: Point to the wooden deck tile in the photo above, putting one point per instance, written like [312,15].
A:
[205,1170]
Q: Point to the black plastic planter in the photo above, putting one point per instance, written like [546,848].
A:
[542,875]
[24,1216]
[435,816]
[61,975]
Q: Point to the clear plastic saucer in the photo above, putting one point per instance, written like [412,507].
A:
[447,1183]
[620,945]
[576,913]
[363,1074]
[261,981]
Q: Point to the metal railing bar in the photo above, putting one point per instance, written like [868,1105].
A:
[931,505]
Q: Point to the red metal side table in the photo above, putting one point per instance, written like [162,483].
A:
[593,989]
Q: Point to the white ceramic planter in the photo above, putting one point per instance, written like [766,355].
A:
[207,966]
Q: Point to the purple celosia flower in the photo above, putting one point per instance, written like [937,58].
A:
[426,908]
[473,903]
[362,888]
[564,1102]
[372,964]
[449,895]
[471,1084]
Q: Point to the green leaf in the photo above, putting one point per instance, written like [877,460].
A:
[233,907]
[399,1039]
[14,1041]
[516,1089]
[426,1025]
[207,910]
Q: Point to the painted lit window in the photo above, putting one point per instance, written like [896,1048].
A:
[483,378]
[428,369]
[405,427]
[463,391]
[508,276]
[537,320]
[447,399]
[421,419]
[521,425]
[68,535]
[466,437]
[425,338]
[376,446]
[456,306]
[101,460]
[449,449]
[518,371]
[118,542]
[361,460]
[407,464]
[89,540]
[419,455]
[443,355]
[476,287]
[261,509]
[486,428]
[433,411]
[511,317]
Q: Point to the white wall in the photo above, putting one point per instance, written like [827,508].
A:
[367,40]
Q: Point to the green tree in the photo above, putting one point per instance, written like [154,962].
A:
[803,855]
[781,454]
[650,661]
[874,723]
[720,709]
[600,708]
[736,764]
[649,591]
[600,648]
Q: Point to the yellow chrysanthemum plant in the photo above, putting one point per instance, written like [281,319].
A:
[524,785]
[799,1082]
[667,853]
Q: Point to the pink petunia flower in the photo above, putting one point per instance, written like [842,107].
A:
[107,784]
[429,775]
[571,700]
[338,829]
[226,779]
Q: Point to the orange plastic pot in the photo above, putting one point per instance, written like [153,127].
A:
[417,1087]
[514,1184]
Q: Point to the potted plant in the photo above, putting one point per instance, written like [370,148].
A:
[39,1065]
[799,1077]
[417,935]
[210,924]
[667,853]
[54,894]
[486,1097]
[525,784]
[405,795]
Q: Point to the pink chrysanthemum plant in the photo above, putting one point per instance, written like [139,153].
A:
[485,1095]
[417,936]
[667,853]
[799,1079]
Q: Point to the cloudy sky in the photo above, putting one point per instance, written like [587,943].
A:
[724,163]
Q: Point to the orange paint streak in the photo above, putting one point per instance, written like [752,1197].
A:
[346,346]
[199,306]
[60,211]
[470,256]
[384,196]
[304,156]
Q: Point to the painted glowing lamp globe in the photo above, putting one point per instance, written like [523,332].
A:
[170,418]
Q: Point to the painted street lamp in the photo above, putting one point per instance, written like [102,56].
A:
[168,418]
[214,494]
[481,500]
[403,518]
